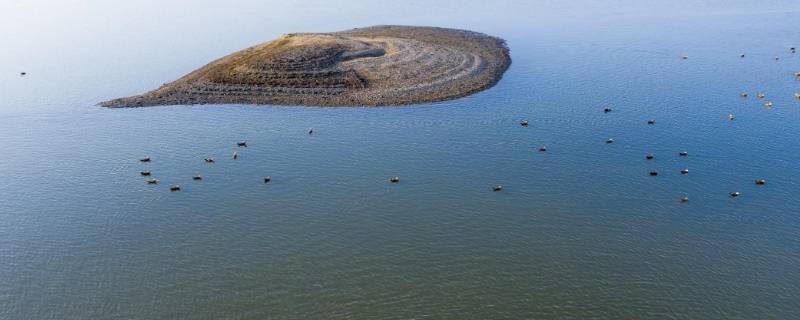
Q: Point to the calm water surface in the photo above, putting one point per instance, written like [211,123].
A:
[581,231]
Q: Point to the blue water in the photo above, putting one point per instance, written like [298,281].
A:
[581,231]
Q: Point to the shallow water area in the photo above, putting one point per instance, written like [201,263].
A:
[579,231]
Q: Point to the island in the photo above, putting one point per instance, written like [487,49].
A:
[373,66]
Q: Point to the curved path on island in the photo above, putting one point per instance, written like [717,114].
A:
[381,65]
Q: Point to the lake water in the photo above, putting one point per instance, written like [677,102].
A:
[581,231]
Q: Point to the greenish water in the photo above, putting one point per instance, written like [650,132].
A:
[581,231]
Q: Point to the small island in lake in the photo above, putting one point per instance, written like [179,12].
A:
[380,65]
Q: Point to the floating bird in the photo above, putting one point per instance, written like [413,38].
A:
[23,73]
[197,177]
[761,182]
[394,179]
[735,194]
[610,140]
[760,95]
[152,181]
[607,110]
[209,160]
[797,95]
[792,50]
[653,173]
[176,187]
[651,121]
[542,149]
[145,159]
[497,188]
[235,155]
[768,104]
[267,179]
[684,57]
[684,171]
[145,173]
[743,94]
[683,153]
[777,58]
[741,55]
[242,143]
[684,199]
[731,117]
[524,123]
[797,74]
[649,156]
[310,130]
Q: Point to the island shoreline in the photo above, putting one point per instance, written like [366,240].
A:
[362,67]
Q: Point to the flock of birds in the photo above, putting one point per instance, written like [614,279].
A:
[685,171]
[234,156]
[649,156]
[524,123]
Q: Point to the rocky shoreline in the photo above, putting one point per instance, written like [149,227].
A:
[380,65]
